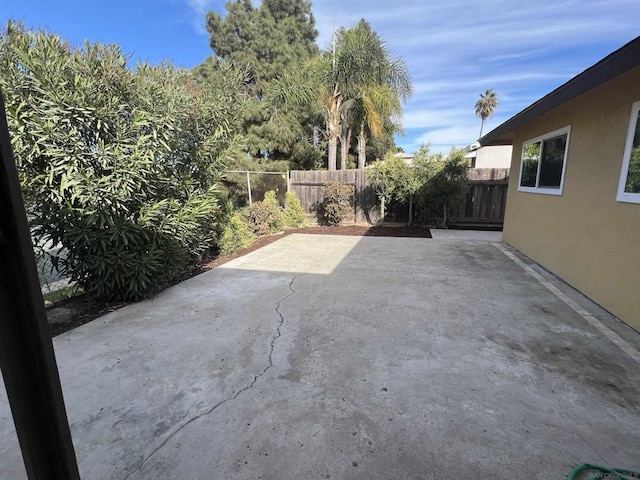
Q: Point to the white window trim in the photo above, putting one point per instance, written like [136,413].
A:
[546,136]
[622,195]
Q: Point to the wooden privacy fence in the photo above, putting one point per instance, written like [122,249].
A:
[485,203]
[309,187]
[487,197]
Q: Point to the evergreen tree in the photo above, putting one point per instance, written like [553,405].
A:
[267,43]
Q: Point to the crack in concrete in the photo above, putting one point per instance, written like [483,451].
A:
[238,393]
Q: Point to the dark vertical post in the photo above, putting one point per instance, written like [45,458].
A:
[26,353]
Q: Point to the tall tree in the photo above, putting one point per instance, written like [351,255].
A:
[485,106]
[358,60]
[376,107]
[266,42]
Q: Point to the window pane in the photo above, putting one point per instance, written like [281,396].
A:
[530,159]
[551,161]
[633,176]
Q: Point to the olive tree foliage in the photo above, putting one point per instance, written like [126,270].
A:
[118,166]
[393,179]
[437,183]
[444,183]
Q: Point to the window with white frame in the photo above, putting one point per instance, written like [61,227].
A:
[629,186]
[543,163]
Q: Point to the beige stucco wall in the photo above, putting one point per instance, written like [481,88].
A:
[584,236]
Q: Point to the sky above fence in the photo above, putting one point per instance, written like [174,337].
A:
[455,50]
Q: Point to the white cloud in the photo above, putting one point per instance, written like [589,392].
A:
[457,49]
[200,8]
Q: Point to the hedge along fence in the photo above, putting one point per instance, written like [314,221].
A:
[485,202]
[309,187]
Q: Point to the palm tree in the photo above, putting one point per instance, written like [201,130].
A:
[346,75]
[370,114]
[485,106]
[358,60]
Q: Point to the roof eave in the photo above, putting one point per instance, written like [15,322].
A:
[613,65]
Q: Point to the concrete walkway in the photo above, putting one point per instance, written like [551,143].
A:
[350,358]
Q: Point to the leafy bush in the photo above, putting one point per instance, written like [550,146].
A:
[294,215]
[392,179]
[236,235]
[118,166]
[265,217]
[337,204]
[444,191]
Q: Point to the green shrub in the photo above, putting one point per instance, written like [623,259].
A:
[266,217]
[294,215]
[444,193]
[337,204]
[117,165]
[236,235]
[392,179]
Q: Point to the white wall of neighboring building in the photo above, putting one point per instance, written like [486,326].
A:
[408,159]
[498,156]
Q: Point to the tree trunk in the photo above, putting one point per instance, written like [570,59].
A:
[346,150]
[410,210]
[481,127]
[362,148]
[381,209]
[344,147]
[333,128]
[333,150]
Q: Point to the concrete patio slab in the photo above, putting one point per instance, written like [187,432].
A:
[469,235]
[348,358]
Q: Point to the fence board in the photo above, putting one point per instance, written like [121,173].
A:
[309,187]
[485,203]
[488,174]
[487,197]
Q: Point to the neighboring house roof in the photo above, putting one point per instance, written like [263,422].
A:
[613,65]
[471,149]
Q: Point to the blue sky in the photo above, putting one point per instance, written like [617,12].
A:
[455,49]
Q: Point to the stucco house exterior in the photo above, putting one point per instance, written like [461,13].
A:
[574,190]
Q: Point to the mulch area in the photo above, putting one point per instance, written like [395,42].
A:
[86,309]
